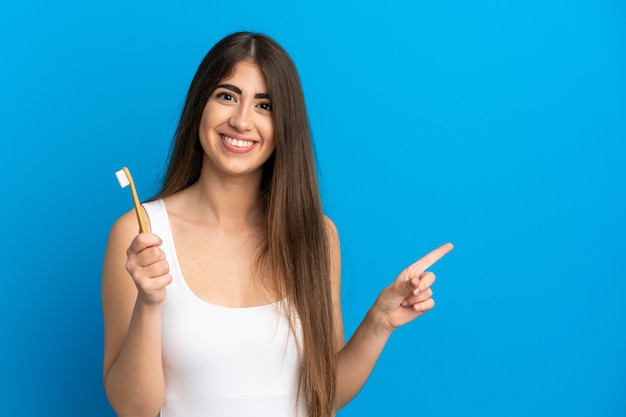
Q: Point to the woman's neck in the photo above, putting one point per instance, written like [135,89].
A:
[231,202]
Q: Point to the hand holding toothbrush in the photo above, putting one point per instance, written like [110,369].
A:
[146,261]
[148,267]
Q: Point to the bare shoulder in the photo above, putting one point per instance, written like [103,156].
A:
[121,236]
[124,227]
[331,232]
[117,286]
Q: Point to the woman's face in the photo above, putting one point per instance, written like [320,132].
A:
[236,129]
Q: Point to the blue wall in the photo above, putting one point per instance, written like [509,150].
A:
[499,126]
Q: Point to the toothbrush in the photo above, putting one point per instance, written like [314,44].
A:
[125,179]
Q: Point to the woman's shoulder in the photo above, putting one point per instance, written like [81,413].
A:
[125,226]
[330,225]
[331,231]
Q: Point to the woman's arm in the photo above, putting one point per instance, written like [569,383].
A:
[134,276]
[408,297]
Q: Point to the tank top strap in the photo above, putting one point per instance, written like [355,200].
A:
[157,215]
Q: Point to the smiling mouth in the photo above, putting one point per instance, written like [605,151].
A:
[237,142]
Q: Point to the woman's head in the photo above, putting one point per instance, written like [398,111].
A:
[291,130]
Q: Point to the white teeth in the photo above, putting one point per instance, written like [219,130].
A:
[237,142]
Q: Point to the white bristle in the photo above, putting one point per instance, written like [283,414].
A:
[122,178]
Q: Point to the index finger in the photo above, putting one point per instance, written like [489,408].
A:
[144,240]
[429,259]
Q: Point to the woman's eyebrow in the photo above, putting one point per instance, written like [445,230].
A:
[230,87]
[237,90]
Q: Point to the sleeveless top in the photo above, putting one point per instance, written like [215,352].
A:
[221,361]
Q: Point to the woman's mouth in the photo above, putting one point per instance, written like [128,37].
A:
[238,143]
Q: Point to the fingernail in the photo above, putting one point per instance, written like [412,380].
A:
[416,291]
[404,303]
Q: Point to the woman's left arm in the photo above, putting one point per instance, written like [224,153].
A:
[408,297]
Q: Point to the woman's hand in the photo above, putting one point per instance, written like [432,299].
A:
[148,267]
[410,295]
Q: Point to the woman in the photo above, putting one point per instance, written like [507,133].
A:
[234,307]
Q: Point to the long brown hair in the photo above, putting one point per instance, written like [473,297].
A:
[296,249]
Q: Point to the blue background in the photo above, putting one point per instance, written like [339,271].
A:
[499,126]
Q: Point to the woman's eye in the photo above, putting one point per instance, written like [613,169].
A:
[225,96]
[265,106]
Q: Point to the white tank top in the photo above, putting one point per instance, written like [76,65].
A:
[221,361]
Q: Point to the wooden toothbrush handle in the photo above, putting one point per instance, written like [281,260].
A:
[141,219]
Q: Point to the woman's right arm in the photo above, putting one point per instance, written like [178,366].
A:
[134,279]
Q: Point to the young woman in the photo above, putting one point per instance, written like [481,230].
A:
[231,306]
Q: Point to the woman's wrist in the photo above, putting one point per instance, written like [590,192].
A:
[147,308]
[378,323]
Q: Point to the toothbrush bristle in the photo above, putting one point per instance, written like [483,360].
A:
[122,178]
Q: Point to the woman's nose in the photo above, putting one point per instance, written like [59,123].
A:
[241,119]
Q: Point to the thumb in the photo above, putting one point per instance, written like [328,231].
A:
[404,286]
